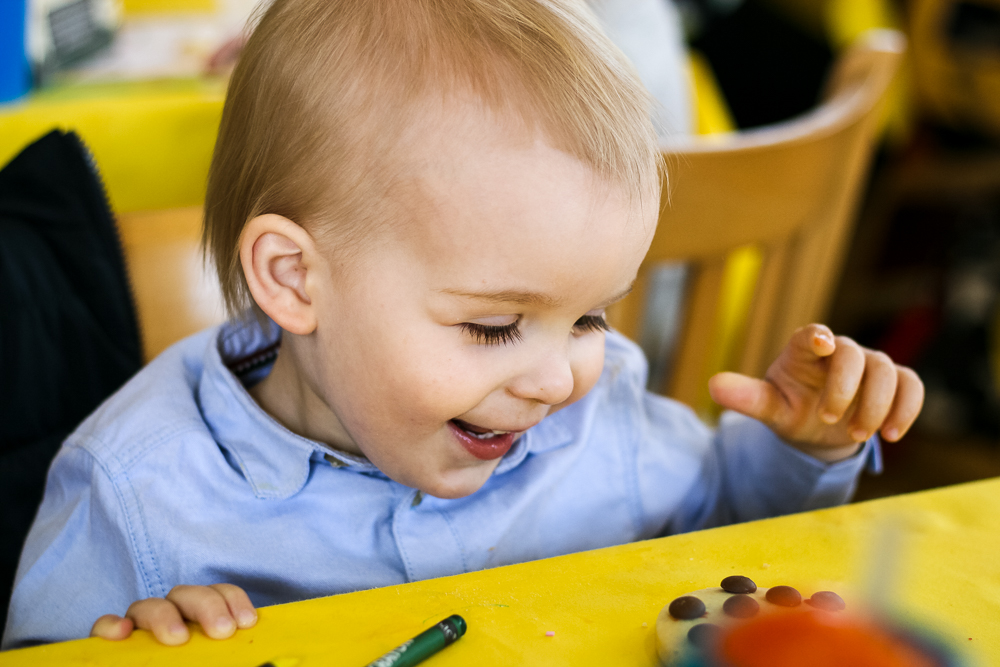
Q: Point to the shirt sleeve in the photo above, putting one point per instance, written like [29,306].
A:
[77,562]
[692,477]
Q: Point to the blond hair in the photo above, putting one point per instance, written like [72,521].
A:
[324,87]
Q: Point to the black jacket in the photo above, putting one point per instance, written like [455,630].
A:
[68,330]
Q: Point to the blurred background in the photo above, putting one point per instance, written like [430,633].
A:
[922,275]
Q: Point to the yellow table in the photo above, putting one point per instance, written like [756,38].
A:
[602,604]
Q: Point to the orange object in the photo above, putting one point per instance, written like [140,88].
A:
[818,640]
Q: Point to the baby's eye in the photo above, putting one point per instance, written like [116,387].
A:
[592,322]
[487,334]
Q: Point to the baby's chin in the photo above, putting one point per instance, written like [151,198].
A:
[449,473]
[452,482]
[459,483]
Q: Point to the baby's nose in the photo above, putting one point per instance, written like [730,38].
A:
[549,380]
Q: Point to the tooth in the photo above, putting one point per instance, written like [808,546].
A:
[487,434]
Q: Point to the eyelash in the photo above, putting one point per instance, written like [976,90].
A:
[510,334]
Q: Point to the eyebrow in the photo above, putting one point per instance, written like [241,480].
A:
[526,298]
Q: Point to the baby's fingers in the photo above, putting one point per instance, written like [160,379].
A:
[112,626]
[812,341]
[207,607]
[847,367]
[161,618]
[239,604]
[906,406]
[755,398]
[877,392]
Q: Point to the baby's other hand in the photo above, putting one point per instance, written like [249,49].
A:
[826,394]
[219,609]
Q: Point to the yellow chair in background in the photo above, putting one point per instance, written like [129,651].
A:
[176,293]
[791,190]
[169,6]
[152,143]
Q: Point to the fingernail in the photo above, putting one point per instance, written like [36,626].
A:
[826,338]
[177,630]
[859,435]
[225,624]
[891,433]
[247,618]
[829,418]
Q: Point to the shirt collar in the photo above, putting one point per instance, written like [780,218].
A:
[275,461]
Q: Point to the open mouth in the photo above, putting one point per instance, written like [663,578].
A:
[483,443]
[478,431]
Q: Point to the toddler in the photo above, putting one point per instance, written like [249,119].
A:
[428,205]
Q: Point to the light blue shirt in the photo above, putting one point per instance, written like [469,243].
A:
[181,478]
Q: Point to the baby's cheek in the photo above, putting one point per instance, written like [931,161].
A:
[439,387]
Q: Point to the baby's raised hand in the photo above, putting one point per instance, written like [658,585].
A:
[826,395]
[219,609]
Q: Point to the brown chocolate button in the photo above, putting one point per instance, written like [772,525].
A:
[784,596]
[827,601]
[738,584]
[704,635]
[741,606]
[686,608]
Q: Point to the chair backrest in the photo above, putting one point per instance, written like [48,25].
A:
[175,295]
[790,189]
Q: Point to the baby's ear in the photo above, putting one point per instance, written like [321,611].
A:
[277,256]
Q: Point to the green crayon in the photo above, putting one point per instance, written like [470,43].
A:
[424,645]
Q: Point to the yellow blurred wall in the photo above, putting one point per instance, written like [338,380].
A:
[152,142]
[161,6]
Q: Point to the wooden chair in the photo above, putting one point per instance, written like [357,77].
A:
[175,294]
[789,189]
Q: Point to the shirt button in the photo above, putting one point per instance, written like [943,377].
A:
[335,462]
